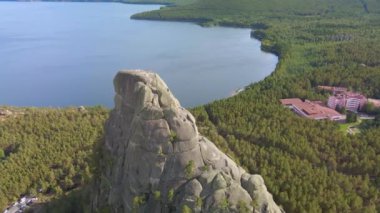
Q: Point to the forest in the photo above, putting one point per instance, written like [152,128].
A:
[47,152]
[308,166]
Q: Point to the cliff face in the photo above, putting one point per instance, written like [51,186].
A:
[154,159]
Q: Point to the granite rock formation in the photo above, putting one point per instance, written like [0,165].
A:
[154,160]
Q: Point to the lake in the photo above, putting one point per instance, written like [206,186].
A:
[66,54]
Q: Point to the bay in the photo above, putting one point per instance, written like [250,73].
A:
[66,54]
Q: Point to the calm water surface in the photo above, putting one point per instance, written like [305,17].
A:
[61,54]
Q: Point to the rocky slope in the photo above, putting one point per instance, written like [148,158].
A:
[154,160]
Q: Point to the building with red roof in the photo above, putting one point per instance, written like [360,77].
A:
[311,109]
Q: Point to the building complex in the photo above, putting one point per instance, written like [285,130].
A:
[343,98]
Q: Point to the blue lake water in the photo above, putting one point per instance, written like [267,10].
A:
[65,54]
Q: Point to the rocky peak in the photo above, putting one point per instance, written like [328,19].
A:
[154,160]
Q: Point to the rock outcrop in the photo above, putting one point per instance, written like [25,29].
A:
[154,160]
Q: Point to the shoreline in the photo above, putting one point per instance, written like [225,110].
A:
[253,27]
[201,22]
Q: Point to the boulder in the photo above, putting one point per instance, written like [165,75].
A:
[153,159]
